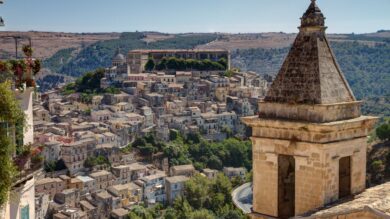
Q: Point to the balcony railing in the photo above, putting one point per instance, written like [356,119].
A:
[27,174]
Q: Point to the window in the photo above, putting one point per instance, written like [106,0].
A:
[25,212]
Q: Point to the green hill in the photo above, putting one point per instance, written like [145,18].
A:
[99,54]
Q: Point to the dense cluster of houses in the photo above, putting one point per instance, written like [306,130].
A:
[112,193]
[73,131]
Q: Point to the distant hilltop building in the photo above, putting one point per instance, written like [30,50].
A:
[137,59]
[310,139]
[118,69]
[203,62]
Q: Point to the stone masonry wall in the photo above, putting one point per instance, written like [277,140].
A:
[309,174]
[316,172]
[265,174]
[355,148]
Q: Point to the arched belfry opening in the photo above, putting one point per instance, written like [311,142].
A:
[344,177]
[286,186]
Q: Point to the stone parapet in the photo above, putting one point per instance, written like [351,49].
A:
[310,132]
[319,113]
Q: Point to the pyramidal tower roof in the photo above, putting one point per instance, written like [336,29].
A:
[310,74]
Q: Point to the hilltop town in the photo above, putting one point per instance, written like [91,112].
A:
[197,126]
[87,138]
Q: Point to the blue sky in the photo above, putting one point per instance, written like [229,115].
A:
[177,16]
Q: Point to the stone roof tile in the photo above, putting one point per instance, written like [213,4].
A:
[310,74]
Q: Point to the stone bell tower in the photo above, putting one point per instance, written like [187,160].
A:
[309,140]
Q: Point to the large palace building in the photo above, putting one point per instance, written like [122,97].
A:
[310,139]
[138,58]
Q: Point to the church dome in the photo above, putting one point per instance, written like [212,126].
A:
[119,57]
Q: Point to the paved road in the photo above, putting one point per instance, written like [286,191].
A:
[242,197]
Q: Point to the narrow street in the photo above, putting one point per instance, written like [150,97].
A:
[242,197]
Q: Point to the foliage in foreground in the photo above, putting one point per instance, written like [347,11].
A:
[11,115]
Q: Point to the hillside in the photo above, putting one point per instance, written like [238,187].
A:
[364,58]
[46,44]
[74,63]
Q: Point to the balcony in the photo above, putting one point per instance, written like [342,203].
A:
[29,164]
[20,71]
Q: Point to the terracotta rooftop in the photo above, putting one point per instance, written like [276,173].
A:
[176,179]
[310,74]
[120,212]
[47,180]
[183,167]
[87,205]
[99,173]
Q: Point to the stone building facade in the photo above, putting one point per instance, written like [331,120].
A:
[309,140]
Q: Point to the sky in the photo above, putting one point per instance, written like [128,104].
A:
[179,16]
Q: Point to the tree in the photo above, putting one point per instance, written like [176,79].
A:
[237,181]
[176,153]
[182,207]
[196,192]
[201,214]
[227,130]
[378,169]
[215,163]
[383,131]
[162,65]
[94,161]
[173,134]
[172,63]
[88,85]
[170,213]
[133,215]
[249,176]
[193,138]
[139,212]
[234,214]
[149,66]
[52,166]
[223,62]
[86,98]
[224,186]
[228,73]
[238,153]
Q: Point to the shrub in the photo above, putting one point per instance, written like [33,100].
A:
[383,131]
